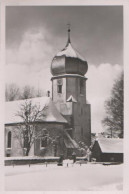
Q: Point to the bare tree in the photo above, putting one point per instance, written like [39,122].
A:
[28,92]
[39,93]
[12,92]
[114,109]
[26,132]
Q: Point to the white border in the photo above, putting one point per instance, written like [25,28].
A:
[125,3]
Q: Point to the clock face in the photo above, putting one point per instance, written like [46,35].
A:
[59,81]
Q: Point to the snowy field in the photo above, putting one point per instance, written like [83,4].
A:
[84,177]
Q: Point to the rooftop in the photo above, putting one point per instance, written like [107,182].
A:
[52,114]
[68,51]
[111,145]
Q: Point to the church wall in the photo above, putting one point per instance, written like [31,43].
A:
[58,97]
[77,113]
[82,123]
[16,149]
[53,129]
[73,88]
[70,86]
[87,125]
[82,96]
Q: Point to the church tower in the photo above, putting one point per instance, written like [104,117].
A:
[68,68]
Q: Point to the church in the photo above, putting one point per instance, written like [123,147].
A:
[68,115]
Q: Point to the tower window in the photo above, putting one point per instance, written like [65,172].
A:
[81,86]
[9,140]
[59,89]
[59,85]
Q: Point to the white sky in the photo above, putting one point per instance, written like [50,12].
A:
[33,41]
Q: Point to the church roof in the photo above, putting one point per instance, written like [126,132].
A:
[52,114]
[68,61]
[111,145]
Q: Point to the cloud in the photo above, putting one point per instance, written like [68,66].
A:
[23,75]
[29,63]
[99,85]
[33,50]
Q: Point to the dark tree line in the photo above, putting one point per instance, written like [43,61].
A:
[114,107]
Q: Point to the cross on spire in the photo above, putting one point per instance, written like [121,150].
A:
[69,25]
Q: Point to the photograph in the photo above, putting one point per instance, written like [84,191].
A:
[64,98]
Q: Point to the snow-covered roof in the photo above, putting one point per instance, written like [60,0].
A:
[71,99]
[69,142]
[111,145]
[68,61]
[68,51]
[52,114]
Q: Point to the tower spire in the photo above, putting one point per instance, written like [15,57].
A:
[69,33]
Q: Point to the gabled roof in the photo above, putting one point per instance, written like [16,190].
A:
[52,114]
[71,99]
[111,145]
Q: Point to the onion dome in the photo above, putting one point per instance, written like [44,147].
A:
[68,61]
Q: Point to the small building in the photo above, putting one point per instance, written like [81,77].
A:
[108,150]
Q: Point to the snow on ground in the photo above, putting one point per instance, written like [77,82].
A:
[64,178]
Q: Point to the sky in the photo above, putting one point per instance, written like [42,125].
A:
[35,34]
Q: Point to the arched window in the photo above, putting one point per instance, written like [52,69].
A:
[9,140]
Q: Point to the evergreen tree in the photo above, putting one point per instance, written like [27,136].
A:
[114,119]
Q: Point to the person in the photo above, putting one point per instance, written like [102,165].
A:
[88,154]
[74,157]
[60,162]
